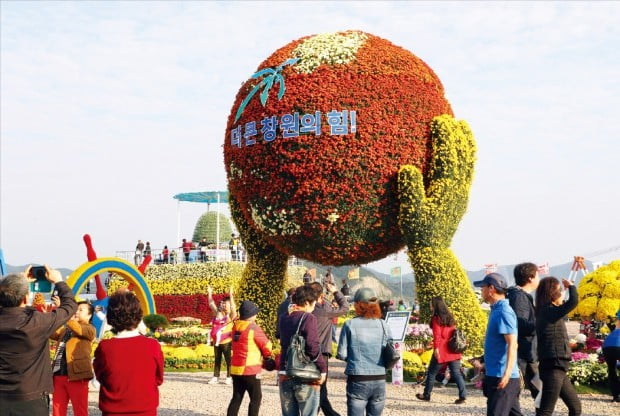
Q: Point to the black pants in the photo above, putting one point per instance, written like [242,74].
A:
[529,371]
[612,354]
[219,350]
[241,384]
[556,384]
[36,407]
[502,402]
[324,404]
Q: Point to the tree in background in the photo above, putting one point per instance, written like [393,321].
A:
[206,227]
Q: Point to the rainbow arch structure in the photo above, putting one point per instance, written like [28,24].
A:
[128,271]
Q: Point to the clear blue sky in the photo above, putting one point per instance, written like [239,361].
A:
[108,109]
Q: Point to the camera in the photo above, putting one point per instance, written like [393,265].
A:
[38,272]
[41,284]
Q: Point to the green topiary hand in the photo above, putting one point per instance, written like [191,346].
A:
[263,278]
[430,211]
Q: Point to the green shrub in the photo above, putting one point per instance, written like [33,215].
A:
[154,321]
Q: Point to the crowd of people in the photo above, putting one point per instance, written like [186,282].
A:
[188,251]
[128,366]
[526,344]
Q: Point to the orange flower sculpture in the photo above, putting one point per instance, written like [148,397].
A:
[315,139]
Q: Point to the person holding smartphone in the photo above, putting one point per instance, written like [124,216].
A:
[72,365]
[25,370]
[554,354]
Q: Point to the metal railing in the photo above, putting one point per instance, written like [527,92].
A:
[177,256]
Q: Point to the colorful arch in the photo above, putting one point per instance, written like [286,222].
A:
[78,279]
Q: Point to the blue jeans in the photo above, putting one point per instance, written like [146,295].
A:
[298,398]
[455,372]
[365,397]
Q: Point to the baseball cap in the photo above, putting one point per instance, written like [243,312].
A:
[495,279]
[365,294]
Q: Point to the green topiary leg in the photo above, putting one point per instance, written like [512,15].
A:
[428,219]
[264,275]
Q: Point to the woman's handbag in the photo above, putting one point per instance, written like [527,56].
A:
[389,354]
[298,366]
[457,342]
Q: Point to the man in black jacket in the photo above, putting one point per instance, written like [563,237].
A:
[520,299]
[324,313]
[25,369]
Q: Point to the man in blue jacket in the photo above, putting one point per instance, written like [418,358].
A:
[521,301]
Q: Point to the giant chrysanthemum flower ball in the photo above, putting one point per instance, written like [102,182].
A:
[315,139]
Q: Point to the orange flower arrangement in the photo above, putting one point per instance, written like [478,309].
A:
[326,195]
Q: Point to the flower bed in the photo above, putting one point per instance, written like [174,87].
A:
[418,338]
[184,336]
[599,293]
[587,372]
[181,289]
[197,357]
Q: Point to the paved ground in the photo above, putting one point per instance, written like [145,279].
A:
[187,394]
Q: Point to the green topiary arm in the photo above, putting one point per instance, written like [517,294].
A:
[428,218]
[263,278]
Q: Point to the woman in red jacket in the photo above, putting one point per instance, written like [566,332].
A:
[442,324]
[130,366]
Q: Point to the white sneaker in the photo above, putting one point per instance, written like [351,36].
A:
[228,381]
[213,381]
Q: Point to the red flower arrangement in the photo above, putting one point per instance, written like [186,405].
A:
[331,198]
[196,306]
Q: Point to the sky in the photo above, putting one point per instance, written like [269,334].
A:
[109,109]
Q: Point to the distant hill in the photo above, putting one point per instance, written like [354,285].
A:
[560,271]
[384,285]
[18,269]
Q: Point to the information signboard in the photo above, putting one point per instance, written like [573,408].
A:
[396,322]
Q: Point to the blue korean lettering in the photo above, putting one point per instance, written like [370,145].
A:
[249,133]
[235,136]
[311,123]
[269,125]
[289,125]
[338,122]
